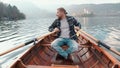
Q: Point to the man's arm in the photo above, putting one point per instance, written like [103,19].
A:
[77,24]
[53,27]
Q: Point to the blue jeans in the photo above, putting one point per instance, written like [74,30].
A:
[72,44]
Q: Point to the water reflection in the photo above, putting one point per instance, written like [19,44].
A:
[85,22]
[106,29]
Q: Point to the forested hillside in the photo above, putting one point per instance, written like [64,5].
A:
[9,12]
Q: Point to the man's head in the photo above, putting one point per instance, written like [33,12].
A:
[61,12]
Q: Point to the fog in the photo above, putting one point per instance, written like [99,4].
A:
[39,8]
[51,5]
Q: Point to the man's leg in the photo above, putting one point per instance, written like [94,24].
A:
[56,44]
[73,46]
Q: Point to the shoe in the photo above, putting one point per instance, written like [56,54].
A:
[70,58]
[59,57]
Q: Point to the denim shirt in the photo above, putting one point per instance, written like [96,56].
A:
[71,21]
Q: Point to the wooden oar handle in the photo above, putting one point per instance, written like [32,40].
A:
[22,45]
[41,37]
[17,47]
[89,35]
[12,49]
[99,42]
[108,47]
[116,52]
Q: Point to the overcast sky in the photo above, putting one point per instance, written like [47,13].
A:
[66,2]
[51,4]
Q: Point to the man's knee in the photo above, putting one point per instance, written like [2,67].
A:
[56,42]
[75,45]
[53,44]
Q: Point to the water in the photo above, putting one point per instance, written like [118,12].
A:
[13,33]
[106,29]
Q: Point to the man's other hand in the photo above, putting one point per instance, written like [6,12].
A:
[56,30]
[77,28]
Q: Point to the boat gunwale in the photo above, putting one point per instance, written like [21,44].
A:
[100,49]
[24,53]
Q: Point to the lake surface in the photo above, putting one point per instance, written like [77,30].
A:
[13,33]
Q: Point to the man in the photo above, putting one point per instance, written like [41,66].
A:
[65,25]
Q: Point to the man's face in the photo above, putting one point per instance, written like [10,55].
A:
[59,13]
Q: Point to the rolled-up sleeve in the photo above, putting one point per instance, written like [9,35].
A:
[76,23]
[51,27]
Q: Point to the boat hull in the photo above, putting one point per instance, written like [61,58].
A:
[89,55]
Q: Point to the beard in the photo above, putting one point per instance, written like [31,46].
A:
[59,17]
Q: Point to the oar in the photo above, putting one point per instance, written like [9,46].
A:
[101,43]
[24,44]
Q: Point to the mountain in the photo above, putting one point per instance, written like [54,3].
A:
[110,9]
[96,9]
[32,11]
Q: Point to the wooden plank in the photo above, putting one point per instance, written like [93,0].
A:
[53,66]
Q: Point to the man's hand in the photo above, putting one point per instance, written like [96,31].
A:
[56,30]
[77,28]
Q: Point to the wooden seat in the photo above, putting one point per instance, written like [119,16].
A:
[37,66]
[65,66]
[66,47]
[53,66]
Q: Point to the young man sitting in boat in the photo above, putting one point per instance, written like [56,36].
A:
[65,26]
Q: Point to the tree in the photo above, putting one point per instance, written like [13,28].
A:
[10,12]
[1,9]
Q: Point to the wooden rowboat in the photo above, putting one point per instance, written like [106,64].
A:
[89,55]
